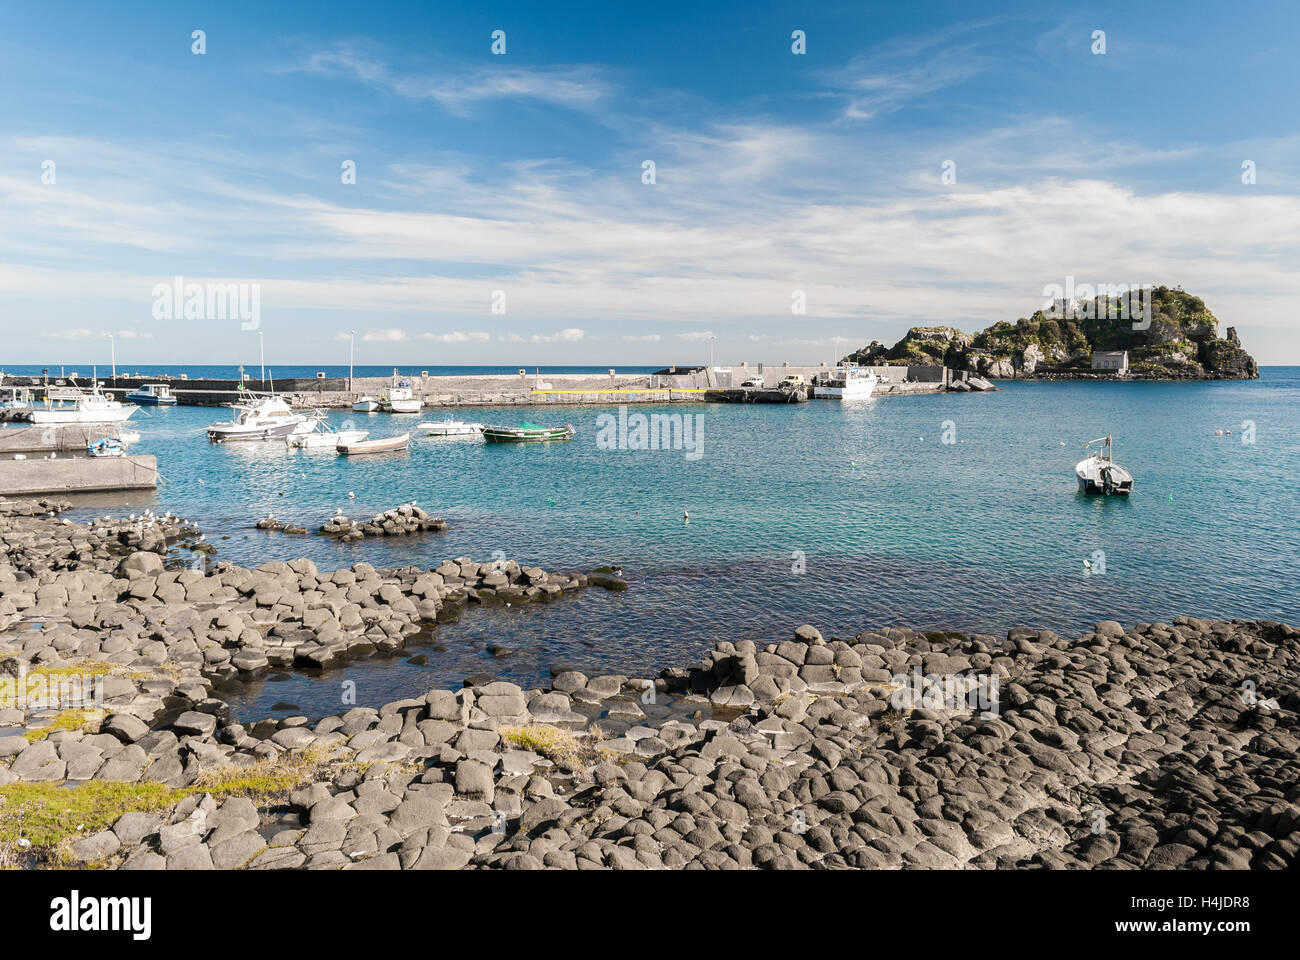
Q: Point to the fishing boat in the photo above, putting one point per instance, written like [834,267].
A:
[527,433]
[1099,473]
[401,397]
[846,383]
[74,405]
[320,435]
[368,404]
[152,395]
[380,445]
[258,418]
[449,427]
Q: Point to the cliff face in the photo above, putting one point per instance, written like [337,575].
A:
[1181,343]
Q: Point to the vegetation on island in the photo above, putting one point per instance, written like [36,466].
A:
[1180,342]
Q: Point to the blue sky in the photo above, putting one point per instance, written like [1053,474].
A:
[522,173]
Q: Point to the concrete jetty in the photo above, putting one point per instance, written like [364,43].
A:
[54,437]
[672,384]
[77,475]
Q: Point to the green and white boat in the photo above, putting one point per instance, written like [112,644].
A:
[527,433]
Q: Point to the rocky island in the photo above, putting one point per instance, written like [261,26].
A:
[1180,343]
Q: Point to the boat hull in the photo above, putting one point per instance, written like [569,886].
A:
[326,441]
[386,445]
[118,415]
[843,393]
[366,406]
[450,429]
[402,406]
[277,431]
[518,435]
[149,400]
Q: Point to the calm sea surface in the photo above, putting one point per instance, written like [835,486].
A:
[892,525]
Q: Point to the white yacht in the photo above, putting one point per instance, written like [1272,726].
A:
[1100,474]
[75,405]
[846,383]
[448,427]
[259,418]
[401,397]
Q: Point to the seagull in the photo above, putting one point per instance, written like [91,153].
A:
[686,515]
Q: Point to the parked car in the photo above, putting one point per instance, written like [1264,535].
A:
[753,382]
[793,380]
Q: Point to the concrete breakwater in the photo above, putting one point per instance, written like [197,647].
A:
[1157,745]
[671,385]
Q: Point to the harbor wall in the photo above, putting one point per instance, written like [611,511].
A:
[529,389]
[78,475]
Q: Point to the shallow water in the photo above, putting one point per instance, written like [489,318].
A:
[894,525]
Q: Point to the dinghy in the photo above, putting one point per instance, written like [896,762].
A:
[380,445]
[449,427]
[1101,474]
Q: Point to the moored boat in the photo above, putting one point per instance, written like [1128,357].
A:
[846,383]
[258,418]
[75,405]
[379,445]
[401,397]
[106,447]
[367,405]
[320,435]
[1099,473]
[152,394]
[449,427]
[527,433]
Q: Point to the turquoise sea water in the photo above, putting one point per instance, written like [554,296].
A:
[894,526]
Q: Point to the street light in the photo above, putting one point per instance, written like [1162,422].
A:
[709,380]
[352,345]
[261,346]
[112,347]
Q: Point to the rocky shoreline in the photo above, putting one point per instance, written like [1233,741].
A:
[1151,746]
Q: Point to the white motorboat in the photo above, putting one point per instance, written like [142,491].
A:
[449,427]
[1101,474]
[401,397]
[152,394]
[106,447]
[846,383]
[75,405]
[320,435]
[367,405]
[259,418]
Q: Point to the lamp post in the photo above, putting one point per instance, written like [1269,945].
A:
[352,345]
[709,379]
[112,350]
[261,346]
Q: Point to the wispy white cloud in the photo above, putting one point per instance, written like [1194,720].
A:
[459,336]
[458,90]
[387,335]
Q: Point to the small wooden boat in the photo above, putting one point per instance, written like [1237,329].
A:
[1100,474]
[367,405]
[449,428]
[527,433]
[380,445]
